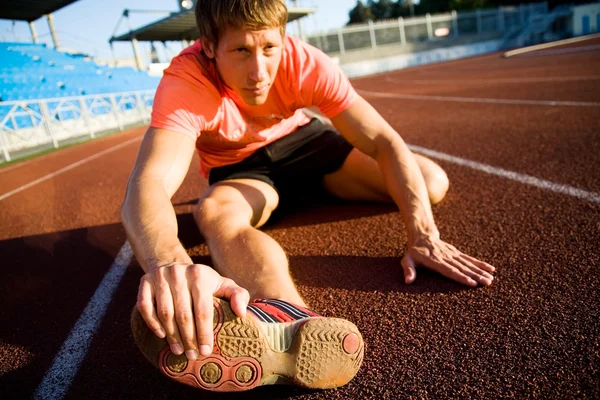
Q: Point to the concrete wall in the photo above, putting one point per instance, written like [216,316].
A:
[591,11]
[391,50]
[370,67]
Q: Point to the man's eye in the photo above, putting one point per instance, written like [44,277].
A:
[241,50]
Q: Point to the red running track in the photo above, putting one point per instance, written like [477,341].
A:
[533,333]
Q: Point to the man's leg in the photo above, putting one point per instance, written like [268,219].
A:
[228,215]
[360,179]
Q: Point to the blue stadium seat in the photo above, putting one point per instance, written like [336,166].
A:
[33,71]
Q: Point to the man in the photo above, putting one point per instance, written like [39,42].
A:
[237,97]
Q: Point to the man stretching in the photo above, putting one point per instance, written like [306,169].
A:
[236,96]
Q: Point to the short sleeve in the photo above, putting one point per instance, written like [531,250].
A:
[184,99]
[322,82]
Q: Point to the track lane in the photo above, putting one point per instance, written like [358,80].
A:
[553,143]
[533,333]
[22,173]
[61,238]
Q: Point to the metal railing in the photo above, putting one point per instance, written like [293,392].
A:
[27,124]
[413,30]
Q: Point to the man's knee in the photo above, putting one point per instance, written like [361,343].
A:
[236,205]
[437,184]
[436,179]
[212,214]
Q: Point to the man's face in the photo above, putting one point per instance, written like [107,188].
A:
[247,61]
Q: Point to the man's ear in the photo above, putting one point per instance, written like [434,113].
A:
[208,47]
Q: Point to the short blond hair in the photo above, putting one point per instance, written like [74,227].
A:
[213,17]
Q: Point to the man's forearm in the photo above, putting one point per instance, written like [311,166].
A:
[407,187]
[366,130]
[151,225]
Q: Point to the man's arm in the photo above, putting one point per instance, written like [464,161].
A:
[147,213]
[175,296]
[366,130]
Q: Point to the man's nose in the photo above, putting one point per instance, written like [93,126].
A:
[258,68]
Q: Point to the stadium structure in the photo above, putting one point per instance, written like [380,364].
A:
[50,97]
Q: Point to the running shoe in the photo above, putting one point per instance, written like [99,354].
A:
[276,343]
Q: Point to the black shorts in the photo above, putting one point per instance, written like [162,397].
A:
[293,165]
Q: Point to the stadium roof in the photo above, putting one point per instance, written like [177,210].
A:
[30,10]
[182,25]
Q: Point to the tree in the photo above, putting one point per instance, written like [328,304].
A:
[381,9]
[433,6]
[403,8]
[463,5]
[360,14]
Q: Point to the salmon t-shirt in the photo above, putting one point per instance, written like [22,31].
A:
[192,100]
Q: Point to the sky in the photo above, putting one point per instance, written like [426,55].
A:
[86,25]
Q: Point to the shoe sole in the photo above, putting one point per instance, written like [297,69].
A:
[316,353]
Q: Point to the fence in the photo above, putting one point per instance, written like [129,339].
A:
[411,30]
[51,122]
[48,122]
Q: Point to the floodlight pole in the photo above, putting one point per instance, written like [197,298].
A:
[50,18]
[136,52]
[33,32]
[299,23]
[112,50]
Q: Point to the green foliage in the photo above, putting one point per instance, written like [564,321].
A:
[381,9]
[385,9]
[433,6]
[360,14]
[463,5]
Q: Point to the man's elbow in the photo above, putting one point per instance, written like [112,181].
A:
[124,212]
[126,206]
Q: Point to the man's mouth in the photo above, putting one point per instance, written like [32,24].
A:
[257,90]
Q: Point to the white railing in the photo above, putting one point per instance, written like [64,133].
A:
[411,30]
[27,124]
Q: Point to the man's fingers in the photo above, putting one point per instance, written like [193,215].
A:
[183,312]
[447,260]
[450,271]
[204,311]
[458,276]
[166,312]
[237,296]
[410,272]
[471,271]
[485,277]
[481,264]
[145,305]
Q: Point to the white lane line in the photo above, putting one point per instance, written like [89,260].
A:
[562,51]
[60,375]
[434,81]
[480,100]
[69,167]
[550,45]
[514,176]
[43,157]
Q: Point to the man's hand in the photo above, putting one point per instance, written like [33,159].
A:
[183,295]
[433,253]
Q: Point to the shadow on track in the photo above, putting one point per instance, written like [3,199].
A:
[366,274]
[304,211]
[48,279]
[361,273]
[46,282]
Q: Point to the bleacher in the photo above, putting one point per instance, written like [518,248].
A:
[33,71]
